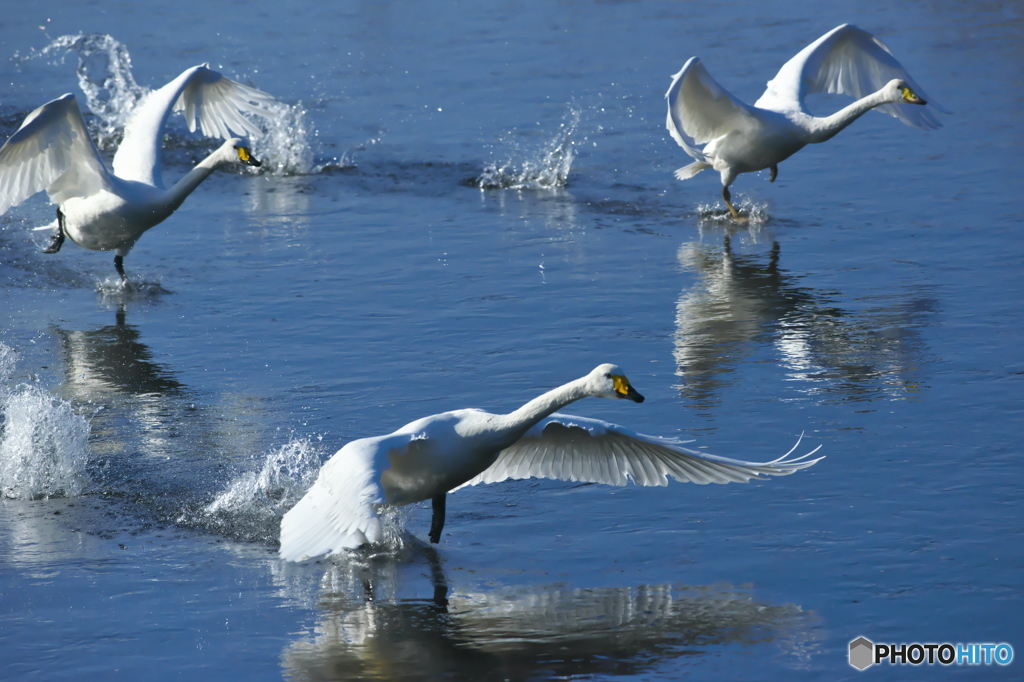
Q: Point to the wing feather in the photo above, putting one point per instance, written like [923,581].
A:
[51,151]
[700,110]
[565,447]
[846,60]
[214,104]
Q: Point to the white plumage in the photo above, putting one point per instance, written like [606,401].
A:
[725,134]
[431,456]
[103,210]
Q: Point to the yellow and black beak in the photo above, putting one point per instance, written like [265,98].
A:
[910,97]
[624,390]
[246,157]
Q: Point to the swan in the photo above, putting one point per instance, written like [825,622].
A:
[104,210]
[429,457]
[722,133]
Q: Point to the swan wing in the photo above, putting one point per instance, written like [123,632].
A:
[339,510]
[569,448]
[700,110]
[846,60]
[215,104]
[51,150]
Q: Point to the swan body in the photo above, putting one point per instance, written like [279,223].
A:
[108,210]
[432,456]
[727,135]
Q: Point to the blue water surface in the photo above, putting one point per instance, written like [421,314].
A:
[469,204]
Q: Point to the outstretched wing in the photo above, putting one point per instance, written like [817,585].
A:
[701,110]
[339,510]
[51,150]
[850,61]
[207,99]
[569,448]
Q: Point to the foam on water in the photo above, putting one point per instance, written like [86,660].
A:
[105,78]
[44,444]
[546,168]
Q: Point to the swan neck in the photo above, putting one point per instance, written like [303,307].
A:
[185,186]
[829,126]
[545,405]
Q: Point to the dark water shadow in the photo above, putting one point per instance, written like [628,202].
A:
[743,302]
[516,632]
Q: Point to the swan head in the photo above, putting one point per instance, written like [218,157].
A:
[608,381]
[898,90]
[236,150]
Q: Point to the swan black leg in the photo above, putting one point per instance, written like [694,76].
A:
[58,238]
[119,266]
[437,521]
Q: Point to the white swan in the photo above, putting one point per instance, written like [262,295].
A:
[103,210]
[431,456]
[732,137]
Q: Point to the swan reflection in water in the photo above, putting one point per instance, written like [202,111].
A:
[529,632]
[112,361]
[154,439]
[743,303]
[112,370]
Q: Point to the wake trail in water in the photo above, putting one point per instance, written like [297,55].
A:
[105,78]
[545,168]
[44,443]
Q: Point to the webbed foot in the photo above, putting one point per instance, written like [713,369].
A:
[742,219]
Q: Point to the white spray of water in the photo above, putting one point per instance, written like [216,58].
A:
[252,505]
[111,94]
[44,444]
[756,213]
[547,168]
[105,78]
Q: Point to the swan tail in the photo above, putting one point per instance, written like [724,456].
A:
[687,172]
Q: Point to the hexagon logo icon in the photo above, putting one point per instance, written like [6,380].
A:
[862,653]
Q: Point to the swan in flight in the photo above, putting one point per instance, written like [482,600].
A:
[105,210]
[428,458]
[731,137]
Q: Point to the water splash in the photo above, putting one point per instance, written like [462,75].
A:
[252,505]
[284,148]
[547,168]
[105,78]
[348,159]
[113,290]
[44,444]
[755,212]
[111,93]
